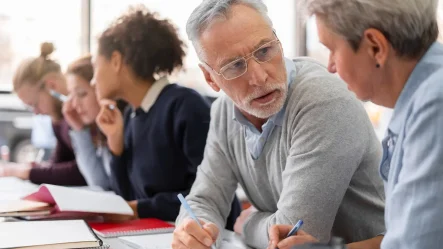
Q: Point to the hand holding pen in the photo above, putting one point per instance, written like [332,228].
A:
[194,233]
[287,236]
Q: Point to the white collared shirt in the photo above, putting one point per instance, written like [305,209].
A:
[153,93]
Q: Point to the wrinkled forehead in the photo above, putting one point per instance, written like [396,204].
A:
[236,36]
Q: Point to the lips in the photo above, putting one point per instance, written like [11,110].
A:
[266,98]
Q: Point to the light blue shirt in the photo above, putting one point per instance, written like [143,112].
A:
[42,135]
[256,140]
[412,164]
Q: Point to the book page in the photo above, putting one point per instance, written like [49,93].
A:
[80,200]
[33,233]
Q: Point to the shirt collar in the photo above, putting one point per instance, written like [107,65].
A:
[418,75]
[278,117]
[153,93]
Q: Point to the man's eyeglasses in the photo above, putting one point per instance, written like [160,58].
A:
[239,67]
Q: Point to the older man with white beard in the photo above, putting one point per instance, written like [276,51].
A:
[297,141]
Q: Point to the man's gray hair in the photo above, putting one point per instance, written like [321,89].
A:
[409,25]
[210,11]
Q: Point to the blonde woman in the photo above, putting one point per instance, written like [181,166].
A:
[33,80]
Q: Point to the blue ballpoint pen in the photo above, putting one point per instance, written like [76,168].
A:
[294,230]
[58,95]
[188,208]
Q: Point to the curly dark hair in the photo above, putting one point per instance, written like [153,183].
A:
[149,45]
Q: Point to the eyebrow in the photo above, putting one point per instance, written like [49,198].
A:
[229,60]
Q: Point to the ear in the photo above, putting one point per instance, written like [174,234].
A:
[208,77]
[116,61]
[377,45]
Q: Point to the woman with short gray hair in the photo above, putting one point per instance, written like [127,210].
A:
[387,52]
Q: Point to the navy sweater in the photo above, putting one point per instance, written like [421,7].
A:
[162,149]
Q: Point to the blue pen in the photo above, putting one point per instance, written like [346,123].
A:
[294,230]
[188,208]
[58,95]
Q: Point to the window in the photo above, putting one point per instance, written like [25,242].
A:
[103,12]
[24,25]
[440,19]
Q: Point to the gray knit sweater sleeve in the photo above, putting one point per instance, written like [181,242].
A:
[214,188]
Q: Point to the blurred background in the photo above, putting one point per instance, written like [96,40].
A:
[73,26]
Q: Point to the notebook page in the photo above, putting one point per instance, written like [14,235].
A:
[23,234]
[163,241]
[152,241]
[80,200]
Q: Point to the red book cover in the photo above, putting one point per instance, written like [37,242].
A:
[133,227]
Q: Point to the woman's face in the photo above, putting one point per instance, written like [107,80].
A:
[38,99]
[106,76]
[83,97]
[356,68]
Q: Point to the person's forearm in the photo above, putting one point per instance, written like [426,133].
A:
[373,243]
[89,163]
[65,173]
[115,143]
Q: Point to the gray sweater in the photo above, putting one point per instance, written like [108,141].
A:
[320,166]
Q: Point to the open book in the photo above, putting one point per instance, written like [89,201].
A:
[73,202]
[48,235]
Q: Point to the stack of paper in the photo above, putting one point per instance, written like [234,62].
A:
[23,208]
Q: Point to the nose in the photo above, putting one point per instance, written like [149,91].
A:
[74,102]
[93,80]
[77,104]
[257,73]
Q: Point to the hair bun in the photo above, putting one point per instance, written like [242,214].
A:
[46,49]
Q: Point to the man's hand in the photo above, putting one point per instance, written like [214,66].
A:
[278,233]
[189,235]
[21,171]
[238,226]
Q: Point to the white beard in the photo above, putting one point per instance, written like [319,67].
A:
[266,110]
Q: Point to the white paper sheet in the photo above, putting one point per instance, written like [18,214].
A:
[80,200]
[163,241]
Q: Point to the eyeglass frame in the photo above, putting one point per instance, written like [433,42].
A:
[246,58]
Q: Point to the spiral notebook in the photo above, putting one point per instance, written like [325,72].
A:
[133,227]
